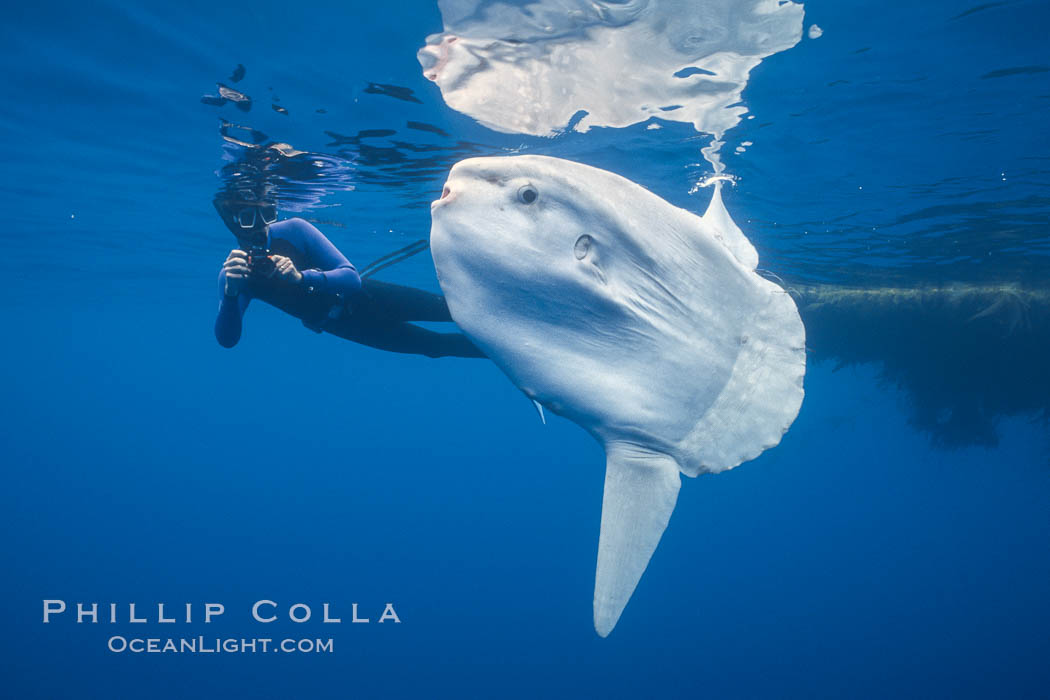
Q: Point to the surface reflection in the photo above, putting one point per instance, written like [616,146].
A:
[541,68]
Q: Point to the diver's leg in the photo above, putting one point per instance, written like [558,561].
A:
[455,345]
[406,338]
[393,302]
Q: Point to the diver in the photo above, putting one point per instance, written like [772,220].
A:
[291,265]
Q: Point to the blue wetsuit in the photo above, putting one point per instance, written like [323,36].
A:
[332,297]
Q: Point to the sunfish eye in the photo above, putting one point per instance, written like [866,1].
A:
[582,247]
[528,194]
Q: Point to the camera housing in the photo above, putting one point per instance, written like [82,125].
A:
[259,261]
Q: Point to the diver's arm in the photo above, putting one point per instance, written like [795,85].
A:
[231,312]
[334,274]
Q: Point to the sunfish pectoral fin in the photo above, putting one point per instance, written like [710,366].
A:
[641,489]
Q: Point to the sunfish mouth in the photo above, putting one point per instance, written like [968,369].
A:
[446,196]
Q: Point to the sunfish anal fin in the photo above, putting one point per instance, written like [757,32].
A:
[539,408]
[641,489]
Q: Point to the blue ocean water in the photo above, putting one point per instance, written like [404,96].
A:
[903,148]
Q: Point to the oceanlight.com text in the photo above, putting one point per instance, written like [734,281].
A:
[217,645]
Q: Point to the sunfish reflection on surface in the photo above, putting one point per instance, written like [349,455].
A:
[641,322]
[530,68]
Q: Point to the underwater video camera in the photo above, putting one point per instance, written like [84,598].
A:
[259,261]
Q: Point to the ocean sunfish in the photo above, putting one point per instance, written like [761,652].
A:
[641,322]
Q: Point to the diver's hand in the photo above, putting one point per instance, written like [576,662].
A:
[236,269]
[285,269]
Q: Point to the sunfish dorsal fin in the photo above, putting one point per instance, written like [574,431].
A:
[733,238]
[641,489]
